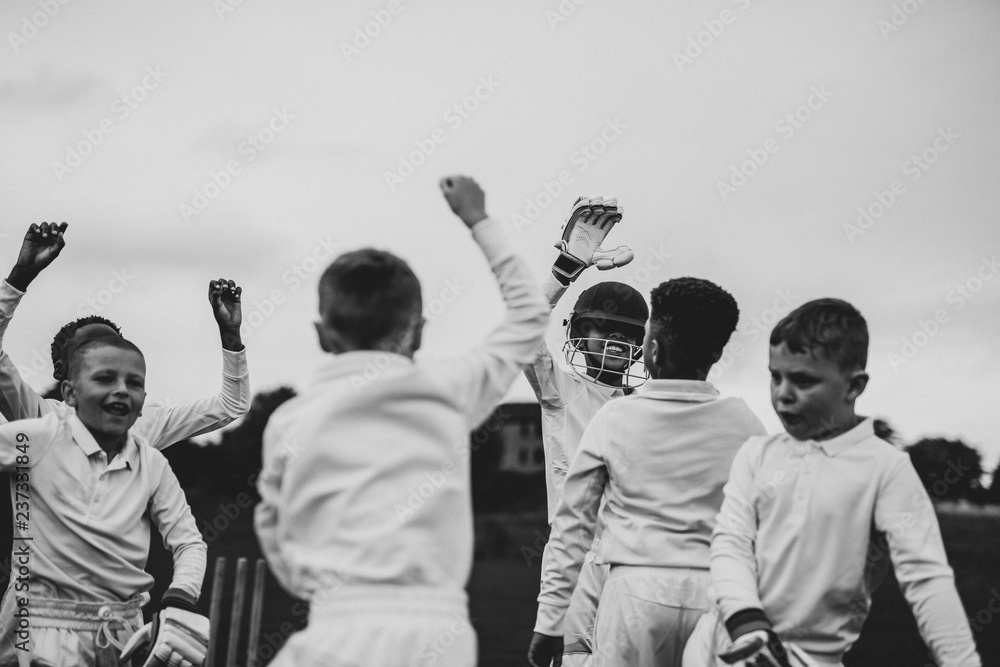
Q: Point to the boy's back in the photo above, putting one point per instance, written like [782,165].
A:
[394,506]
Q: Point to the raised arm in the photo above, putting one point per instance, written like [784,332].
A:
[41,245]
[162,426]
[571,537]
[904,512]
[482,377]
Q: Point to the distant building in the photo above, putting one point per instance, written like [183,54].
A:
[521,433]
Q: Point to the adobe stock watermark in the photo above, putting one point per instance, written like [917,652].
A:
[563,11]
[958,297]
[900,16]
[783,303]
[31,25]
[96,302]
[426,146]
[445,474]
[223,7]
[248,150]
[263,309]
[121,108]
[914,168]
[713,29]
[551,189]
[366,33]
[786,127]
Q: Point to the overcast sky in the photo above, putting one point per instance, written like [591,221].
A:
[785,150]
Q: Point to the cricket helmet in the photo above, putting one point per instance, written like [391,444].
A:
[620,312]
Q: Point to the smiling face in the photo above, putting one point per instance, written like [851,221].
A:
[107,389]
[606,348]
[813,396]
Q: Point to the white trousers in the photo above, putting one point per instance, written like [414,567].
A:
[388,626]
[646,614]
[67,633]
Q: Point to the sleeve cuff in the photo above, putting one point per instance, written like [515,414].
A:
[549,620]
[234,363]
[490,236]
[746,620]
[8,290]
[181,599]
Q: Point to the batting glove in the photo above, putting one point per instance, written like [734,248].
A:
[178,637]
[763,648]
[588,224]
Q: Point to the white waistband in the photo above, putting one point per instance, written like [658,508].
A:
[390,598]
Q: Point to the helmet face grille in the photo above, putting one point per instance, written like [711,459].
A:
[632,373]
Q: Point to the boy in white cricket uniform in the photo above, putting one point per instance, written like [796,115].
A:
[791,559]
[86,491]
[658,458]
[159,426]
[385,574]
[603,335]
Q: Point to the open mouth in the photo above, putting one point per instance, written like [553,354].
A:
[117,409]
[615,349]
[791,419]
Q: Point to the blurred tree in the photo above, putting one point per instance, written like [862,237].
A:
[949,469]
[993,495]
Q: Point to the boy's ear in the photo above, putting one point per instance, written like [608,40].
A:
[68,393]
[856,385]
[654,352]
[321,335]
[418,333]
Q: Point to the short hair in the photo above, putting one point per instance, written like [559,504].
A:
[831,327]
[369,296]
[77,356]
[692,320]
[58,350]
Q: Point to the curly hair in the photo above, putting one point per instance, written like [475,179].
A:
[831,327]
[60,364]
[692,320]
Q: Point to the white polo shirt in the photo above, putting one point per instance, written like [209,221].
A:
[86,522]
[365,477]
[798,536]
[568,403]
[160,426]
[659,458]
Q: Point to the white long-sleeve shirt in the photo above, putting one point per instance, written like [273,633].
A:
[796,535]
[365,477]
[659,458]
[568,403]
[85,521]
[160,426]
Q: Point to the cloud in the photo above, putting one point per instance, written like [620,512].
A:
[49,88]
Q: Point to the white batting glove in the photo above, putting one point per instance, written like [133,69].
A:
[763,648]
[588,224]
[178,637]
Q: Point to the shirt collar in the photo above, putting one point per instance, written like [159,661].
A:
[849,438]
[366,365]
[85,440]
[694,391]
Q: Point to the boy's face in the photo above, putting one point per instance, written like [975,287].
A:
[108,391]
[618,356]
[813,396]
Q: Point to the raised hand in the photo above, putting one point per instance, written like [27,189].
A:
[42,244]
[465,198]
[225,296]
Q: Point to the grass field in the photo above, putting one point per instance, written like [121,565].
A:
[504,584]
